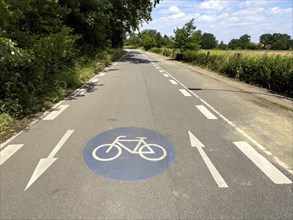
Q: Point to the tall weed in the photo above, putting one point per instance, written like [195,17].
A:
[270,70]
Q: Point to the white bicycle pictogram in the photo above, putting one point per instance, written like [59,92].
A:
[142,148]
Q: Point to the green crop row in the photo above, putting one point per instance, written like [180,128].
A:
[274,72]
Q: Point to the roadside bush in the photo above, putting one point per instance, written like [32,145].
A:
[164,51]
[274,72]
[15,67]
[29,76]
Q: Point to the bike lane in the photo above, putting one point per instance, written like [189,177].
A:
[68,189]
[134,93]
[249,192]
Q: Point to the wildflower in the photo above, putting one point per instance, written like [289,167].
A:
[12,52]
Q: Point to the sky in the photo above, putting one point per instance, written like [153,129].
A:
[226,19]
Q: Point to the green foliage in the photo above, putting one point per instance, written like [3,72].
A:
[185,37]
[44,46]
[148,42]
[276,41]
[5,120]
[274,72]
[208,41]
[242,43]
[165,51]
[126,15]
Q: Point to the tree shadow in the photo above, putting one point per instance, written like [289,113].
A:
[86,88]
[132,58]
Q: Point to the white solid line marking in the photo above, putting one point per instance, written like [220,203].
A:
[231,123]
[173,82]
[8,152]
[102,74]
[263,164]
[57,111]
[166,75]
[184,92]
[45,163]
[206,112]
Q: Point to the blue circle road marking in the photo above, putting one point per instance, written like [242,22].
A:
[129,153]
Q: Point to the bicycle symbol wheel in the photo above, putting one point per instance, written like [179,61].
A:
[156,150]
[104,155]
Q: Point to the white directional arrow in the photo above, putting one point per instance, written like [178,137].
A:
[213,170]
[45,163]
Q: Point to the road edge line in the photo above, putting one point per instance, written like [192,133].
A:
[262,148]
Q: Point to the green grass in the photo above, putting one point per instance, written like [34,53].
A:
[249,52]
[69,80]
[268,69]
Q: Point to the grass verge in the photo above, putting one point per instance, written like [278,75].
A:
[82,72]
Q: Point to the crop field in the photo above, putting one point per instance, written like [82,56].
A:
[268,69]
[286,53]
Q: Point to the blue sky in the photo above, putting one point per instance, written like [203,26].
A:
[226,19]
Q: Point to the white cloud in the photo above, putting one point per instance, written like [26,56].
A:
[214,5]
[177,16]
[206,18]
[250,3]
[249,12]
[226,19]
[277,10]
[174,10]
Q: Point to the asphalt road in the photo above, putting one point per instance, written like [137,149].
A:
[182,154]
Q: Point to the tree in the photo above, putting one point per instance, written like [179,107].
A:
[242,43]
[222,46]
[234,44]
[185,37]
[208,41]
[276,41]
[148,42]
[245,38]
[167,41]
[133,40]
[153,34]
[125,16]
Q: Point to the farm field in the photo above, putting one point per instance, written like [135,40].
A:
[268,69]
[286,53]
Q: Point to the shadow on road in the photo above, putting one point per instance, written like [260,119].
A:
[132,58]
[86,88]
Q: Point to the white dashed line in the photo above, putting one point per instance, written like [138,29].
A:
[57,111]
[234,126]
[161,71]
[173,82]
[206,112]
[263,164]
[8,152]
[184,92]
[166,75]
